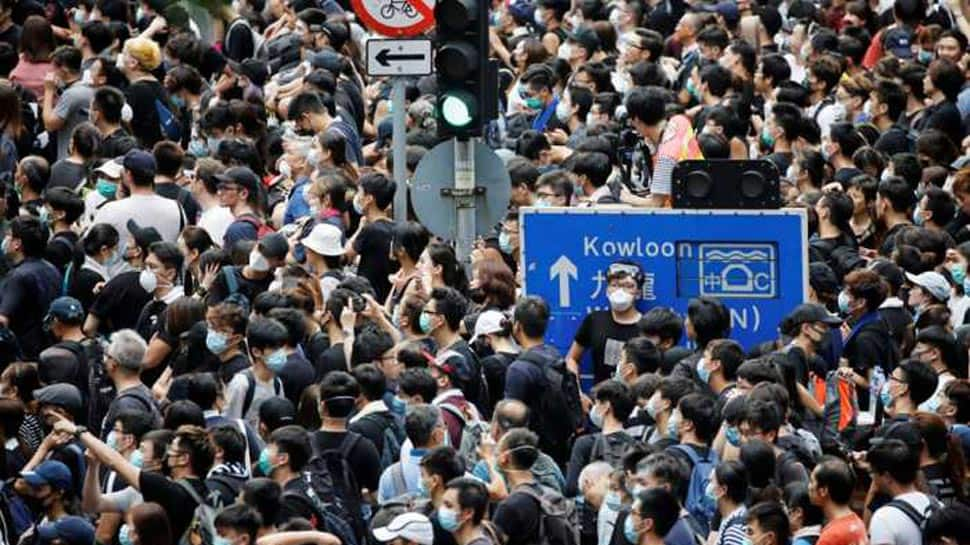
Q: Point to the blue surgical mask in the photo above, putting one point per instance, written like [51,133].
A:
[216,342]
[703,371]
[959,273]
[178,101]
[504,243]
[924,57]
[733,436]
[423,491]
[80,17]
[358,206]
[264,464]
[123,537]
[885,396]
[844,302]
[219,540]
[966,284]
[106,188]
[629,531]
[767,139]
[276,361]
[613,501]
[448,519]
[212,144]
[596,417]
[918,219]
[137,459]
[709,492]
[424,322]
[198,148]
[672,424]
[652,410]
[399,406]
[112,440]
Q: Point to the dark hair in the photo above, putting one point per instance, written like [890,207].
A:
[67,201]
[733,476]
[771,517]
[452,272]
[532,313]
[709,319]
[921,380]
[730,354]
[341,385]
[663,322]
[775,67]
[241,518]
[195,440]
[378,186]
[263,494]
[661,506]
[443,462]
[183,413]
[98,35]
[522,446]
[796,497]
[37,39]
[169,255]
[867,285]
[411,238]
[648,104]
[231,441]
[700,410]
[373,384]
[895,459]
[265,333]
[152,524]
[32,235]
[618,395]
[762,415]
[952,521]
[958,392]
[168,158]
[643,354]
[294,441]
[947,77]
[759,459]
[418,381]
[472,494]
[451,304]
[109,101]
[594,165]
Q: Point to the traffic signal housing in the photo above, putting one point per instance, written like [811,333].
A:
[467,81]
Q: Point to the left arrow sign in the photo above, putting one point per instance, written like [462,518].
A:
[385,57]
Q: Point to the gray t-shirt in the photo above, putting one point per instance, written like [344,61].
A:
[236,397]
[891,526]
[67,174]
[72,107]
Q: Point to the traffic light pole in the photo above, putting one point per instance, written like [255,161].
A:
[465,199]
[399,150]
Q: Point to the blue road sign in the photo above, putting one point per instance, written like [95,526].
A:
[755,261]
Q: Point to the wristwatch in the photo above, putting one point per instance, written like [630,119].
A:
[78,430]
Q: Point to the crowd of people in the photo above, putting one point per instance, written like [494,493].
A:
[215,330]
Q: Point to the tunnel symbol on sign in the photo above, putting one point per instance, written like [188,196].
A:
[738,270]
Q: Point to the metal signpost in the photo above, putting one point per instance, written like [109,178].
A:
[755,261]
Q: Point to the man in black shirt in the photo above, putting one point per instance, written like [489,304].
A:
[287,453]
[338,396]
[120,301]
[105,113]
[226,330]
[372,241]
[9,31]
[518,515]
[251,280]
[188,458]
[63,322]
[30,287]
[441,320]
[439,467]
[168,163]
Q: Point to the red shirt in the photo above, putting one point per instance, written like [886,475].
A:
[847,530]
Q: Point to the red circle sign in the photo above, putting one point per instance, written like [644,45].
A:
[396,18]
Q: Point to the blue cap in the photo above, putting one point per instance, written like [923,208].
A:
[67,310]
[140,163]
[49,472]
[71,530]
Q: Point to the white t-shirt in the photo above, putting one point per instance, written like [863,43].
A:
[215,221]
[165,215]
[891,526]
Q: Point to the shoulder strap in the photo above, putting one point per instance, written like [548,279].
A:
[691,453]
[909,511]
[191,490]
[141,400]
[349,443]
[245,434]
[250,391]
[455,411]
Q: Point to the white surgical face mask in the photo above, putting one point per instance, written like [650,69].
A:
[620,300]
[258,262]
[565,51]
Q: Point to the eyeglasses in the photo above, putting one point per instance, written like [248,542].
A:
[547,195]
[431,312]
[894,378]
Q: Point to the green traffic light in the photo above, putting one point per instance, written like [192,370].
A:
[457,109]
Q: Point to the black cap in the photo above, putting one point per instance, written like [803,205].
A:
[337,32]
[256,70]
[811,312]
[140,163]
[277,412]
[144,236]
[891,272]
[241,176]
[274,245]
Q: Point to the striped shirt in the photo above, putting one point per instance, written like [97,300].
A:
[733,528]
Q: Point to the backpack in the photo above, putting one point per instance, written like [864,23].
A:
[471,424]
[258,39]
[393,436]
[325,517]
[168,121]
[101,389]
[335,465]
[223,486]
[558,517]
[251,390]
[262,228]
[560,411]
[698,504]
[15,515]
[610,448]
[918,518]
[471,439]
[201,530]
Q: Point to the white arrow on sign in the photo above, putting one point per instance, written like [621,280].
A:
[398,57]
[564,269]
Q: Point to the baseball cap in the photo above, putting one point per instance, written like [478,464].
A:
[273,245]
[111,169]
[408,526]
[898,41]
[811,312]
[325,239]
[144,236]
[490,321]
[727,9]
[337,32]
[933,282]
[454,366]
[277,412]
[586,37]
[49,472]
[71,530]
[256,70]
[140,163]
[67,310]
[60,394]
[241,176]
[145,51]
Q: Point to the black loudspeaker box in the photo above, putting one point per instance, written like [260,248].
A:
[724,183]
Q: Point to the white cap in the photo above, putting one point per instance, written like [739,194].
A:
[111,169]
[325,239]
[410,526]
[933,282]
[488,322]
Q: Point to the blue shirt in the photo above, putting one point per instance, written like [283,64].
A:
[296,205]
[387,488]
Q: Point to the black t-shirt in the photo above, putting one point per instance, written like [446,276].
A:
[296,375]
[26,295]
[145,124]
[332,359]
[176,501]
[315,345]
[62,249]
[373,243]
[120,302]
[183,197]
[372,427]
[291,508]
[494,368]
[82,286]
[233,365]
[605,337]
[518,516]
[364,459]
[151,318]
[117,144]
[11,36]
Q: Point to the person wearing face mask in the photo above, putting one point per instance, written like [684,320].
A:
[768,524]
[536,90]
[238,190]
[265,340]
[652,516]
[48,487]
[254,278]
[613,403]
[315,113]
[302,158]
[493,343]
[661,408]
[161,277]
[426,431]
[868,340]
[808,326]
[168,161]
[936,347]
[518,515]
[457,366]
[604,331]
[462,510]
[128,429]
[718,369]
[928,289]
[728,488]
[74,98]
[105,112]
[664,471]
[374,197]
[284,459]
[909,385]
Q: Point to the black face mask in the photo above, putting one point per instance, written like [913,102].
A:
[477,295]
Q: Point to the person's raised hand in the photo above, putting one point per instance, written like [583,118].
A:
[348,317]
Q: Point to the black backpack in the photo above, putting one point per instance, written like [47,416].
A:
[334,464]
[251,389]
[560,410]
[326,517]
[558,516]
[392,436]
[223,486]
[101,390]
[610,448]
